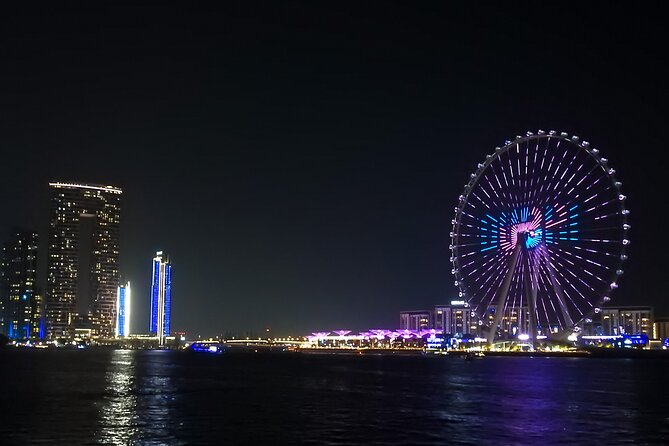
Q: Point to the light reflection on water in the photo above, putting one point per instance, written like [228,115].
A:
[157,420]
[118,414]
[171,398]
[137,402]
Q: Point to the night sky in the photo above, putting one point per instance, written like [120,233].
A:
[301,161]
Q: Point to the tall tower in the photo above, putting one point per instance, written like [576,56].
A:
[19,301]
[161,296]
[123,310]
[83,259]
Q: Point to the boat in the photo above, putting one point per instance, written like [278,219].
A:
[470,356]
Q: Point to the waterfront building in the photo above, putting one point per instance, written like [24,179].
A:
[415,320]
[454,319]
[661,328]
[161,296]
[626,320]
[441,318]
[20,304]
[123,304]
[83,259]
[457,319]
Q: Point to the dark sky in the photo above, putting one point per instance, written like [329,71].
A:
[301,160]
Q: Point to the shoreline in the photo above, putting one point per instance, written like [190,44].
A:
[621,353]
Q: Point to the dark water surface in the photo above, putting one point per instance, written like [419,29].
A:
[177,398]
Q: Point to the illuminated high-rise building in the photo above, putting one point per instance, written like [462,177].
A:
[161,296]
[123,304]
[83,275]
[19,301]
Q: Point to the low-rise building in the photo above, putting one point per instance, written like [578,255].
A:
[627,320]
[661,328]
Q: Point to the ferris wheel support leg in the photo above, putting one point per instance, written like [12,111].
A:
[502,293]
[531,295]
[558,291]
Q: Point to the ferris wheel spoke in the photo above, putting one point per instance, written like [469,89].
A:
[582,259]
[561,192]
[487,270]
[493,193]
[558,182]
[560,279]
[567,283]
[503,184]
[489,294]
[504,291]
[491,274]
[545,296]
[557,288]
[571,273]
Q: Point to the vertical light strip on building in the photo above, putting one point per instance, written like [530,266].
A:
[168,298]
[123,304]
[155,280]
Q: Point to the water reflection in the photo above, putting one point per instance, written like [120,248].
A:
[138,400]
[155,419]
[119,408]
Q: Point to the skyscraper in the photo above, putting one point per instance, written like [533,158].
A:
[83,258]
[123,310]
[161,296]
[19,301]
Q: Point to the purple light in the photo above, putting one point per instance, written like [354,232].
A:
[381,334]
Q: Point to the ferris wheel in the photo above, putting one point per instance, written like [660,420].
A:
[539,237]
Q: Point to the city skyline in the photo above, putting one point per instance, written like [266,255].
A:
[309,180]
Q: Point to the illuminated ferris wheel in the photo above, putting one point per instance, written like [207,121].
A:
[539,236]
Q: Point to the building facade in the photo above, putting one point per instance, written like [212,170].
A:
[454,319]
[123,303]
[83,264]
[661,328]
[161,297]
[20,303]
[626,320]
[415,320]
